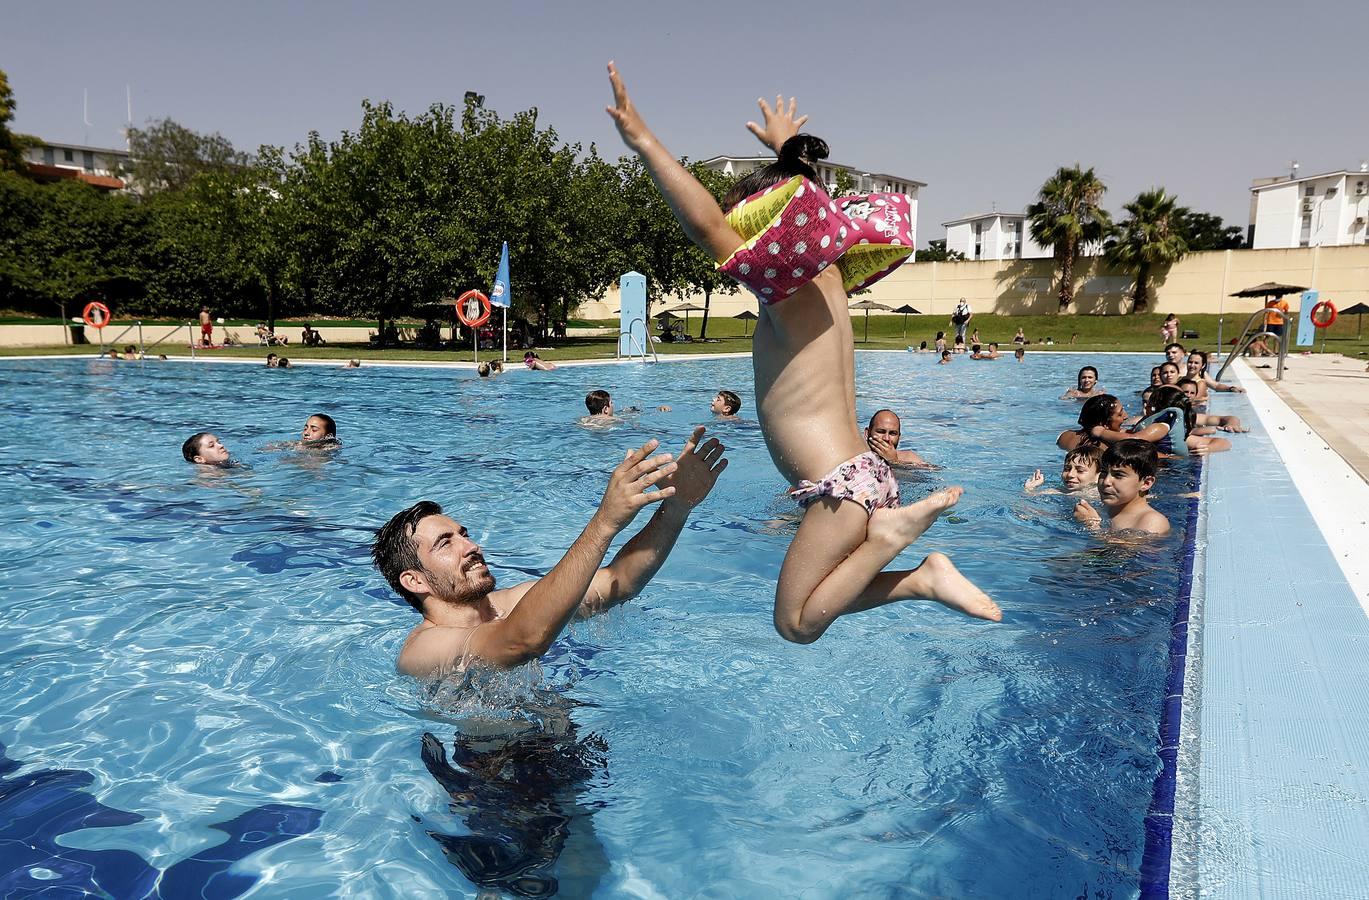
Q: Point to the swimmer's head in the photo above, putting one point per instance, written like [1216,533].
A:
[271,360]
[726,404]
[599,403]
[1019,353]
[1102,409]
[1087,378]
[1169,373]
[282,363]
[319,427]
[483,369]
[1081,466]
[922,346]
[974,348]
[423,553]
[1197,362]
[885,424]
[797,157]
[1155,376]
[1135,458]
[204,449]
[1190,389]
[1175,353]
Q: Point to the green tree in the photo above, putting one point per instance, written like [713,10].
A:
[165,156]
[1204,231]
[936,252]
[846,184]
[698,270]
[1067,218]
[12,145]
[1150,238]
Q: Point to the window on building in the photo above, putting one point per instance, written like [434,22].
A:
[88,160]
[68,156]
[1306,237]
[1309,191]
[978,240]
[49,156]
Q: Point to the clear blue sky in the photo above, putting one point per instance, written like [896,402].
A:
[981,101]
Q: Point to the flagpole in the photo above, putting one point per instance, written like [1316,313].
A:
[506,334]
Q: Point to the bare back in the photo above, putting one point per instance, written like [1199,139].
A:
[804,363]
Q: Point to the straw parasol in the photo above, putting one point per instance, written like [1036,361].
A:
[868,305]
[1268,289]
[686,308]
[747,316]
[907,311]
[1358,310]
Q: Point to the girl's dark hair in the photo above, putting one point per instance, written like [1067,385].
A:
[1201,355]
[797,157]
[1170,397]
[1078,377]
[1096,411]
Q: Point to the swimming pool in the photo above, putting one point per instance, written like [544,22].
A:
[189,657]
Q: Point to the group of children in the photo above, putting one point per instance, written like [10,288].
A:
[1121,454]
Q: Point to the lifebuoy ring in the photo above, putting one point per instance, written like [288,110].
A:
[1318,314]
[96,315]
[468,300]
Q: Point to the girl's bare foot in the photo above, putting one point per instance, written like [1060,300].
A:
[901,526]
[943,583]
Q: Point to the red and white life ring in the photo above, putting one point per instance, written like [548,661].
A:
[96,315]
[1319,315]
[465,301]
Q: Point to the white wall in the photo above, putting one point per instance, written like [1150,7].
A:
[1278,213]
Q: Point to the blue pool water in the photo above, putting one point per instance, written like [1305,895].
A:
[187,657]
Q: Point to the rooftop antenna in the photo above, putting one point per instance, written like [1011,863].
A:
[1293,170]
[128,126]
[1364,165]
[85,114]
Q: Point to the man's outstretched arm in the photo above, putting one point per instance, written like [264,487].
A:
[550,603]
[698,468]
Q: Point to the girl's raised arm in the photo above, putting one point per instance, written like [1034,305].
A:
[694,207]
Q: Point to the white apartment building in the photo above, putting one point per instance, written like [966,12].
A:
[97,166]
[994,235]
[862,182]
[1330,210]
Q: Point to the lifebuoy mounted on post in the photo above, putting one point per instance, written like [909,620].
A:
[473,309]
[1323,315]
[96,315]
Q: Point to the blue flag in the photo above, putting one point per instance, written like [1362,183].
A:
[500,294]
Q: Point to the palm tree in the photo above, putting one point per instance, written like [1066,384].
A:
[1152,238]
[1066,217]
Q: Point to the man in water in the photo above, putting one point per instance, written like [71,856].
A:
[431,561]
[882,435]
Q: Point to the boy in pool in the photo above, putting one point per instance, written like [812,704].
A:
[1080,472]
[205,449]
[1126,473]
[726,405]
[804,363]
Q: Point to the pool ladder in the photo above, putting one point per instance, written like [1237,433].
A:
[633,342]
[1248,335]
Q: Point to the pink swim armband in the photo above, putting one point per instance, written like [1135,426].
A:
[793,231]
[881,237]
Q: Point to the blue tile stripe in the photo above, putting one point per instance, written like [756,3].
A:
[1159,823]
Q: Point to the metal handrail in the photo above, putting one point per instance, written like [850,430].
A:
[167,336]
[632,340]
[1247,336]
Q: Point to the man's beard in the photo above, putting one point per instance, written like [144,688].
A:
[466,588]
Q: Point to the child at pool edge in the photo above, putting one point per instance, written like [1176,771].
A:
[1125,475]
[1079,473]
[804,363]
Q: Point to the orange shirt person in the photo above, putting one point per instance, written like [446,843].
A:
[1275,315]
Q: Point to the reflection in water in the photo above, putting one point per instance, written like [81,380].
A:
[516,786]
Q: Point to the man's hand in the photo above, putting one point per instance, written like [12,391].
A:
[697,470]
[1035,481]
[1087,515]
[627,487]
[884,449]
[630,125]
[780,124]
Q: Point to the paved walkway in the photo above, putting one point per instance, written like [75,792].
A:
[1331,393]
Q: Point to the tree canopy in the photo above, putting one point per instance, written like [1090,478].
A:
[1067,216]
[1151,238]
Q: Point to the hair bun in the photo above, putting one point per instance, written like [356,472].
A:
[804,148]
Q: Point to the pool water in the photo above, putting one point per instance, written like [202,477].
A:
[189,656]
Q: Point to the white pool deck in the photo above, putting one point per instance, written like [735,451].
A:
[1273,782]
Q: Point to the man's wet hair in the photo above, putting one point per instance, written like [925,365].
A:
[1088,451]
[329,426]
[271,356]
[733,402]
[395,551]
[797,156]
[191,448]
[1140,457]
[1175,344]
[596,402]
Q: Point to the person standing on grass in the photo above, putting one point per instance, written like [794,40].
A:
[206,328]
[960,318]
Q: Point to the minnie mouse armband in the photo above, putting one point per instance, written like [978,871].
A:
[881,237]
[793,231]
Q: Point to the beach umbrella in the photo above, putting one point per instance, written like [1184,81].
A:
[746,317]
[1358,310]
[907,311]
[686,308]
[868,305]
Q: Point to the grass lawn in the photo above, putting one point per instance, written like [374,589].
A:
[1094,333]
